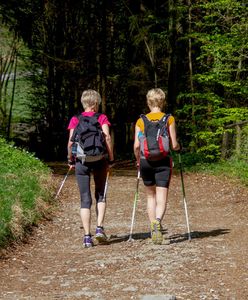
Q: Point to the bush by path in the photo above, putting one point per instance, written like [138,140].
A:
[25,191]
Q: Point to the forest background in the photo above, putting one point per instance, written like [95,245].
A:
[197,51]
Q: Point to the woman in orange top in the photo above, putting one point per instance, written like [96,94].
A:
[156,174]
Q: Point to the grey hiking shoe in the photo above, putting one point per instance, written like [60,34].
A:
[100,235]
[156,234]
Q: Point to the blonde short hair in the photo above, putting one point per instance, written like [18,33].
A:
[90,98]
[156,98]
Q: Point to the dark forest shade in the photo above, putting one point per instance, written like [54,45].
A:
[196,52]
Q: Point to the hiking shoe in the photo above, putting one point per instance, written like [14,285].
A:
[87,242]
[100,235]
[156,233]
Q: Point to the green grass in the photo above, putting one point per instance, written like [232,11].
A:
[25,191]
[233,168]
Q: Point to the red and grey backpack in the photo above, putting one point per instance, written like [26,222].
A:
[155,142]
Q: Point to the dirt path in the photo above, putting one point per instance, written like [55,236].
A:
[214,265]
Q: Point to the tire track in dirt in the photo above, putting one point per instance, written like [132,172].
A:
[54,265]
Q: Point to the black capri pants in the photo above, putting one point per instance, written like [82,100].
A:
[83,174]
[156,172]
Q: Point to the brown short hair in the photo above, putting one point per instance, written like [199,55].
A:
[90,98]
[156,98]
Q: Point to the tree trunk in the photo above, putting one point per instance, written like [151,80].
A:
[7,63]
[224,146]
[12,99]
[190,63]
[172,58]
[238,139]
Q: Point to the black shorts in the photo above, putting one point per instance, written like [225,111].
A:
[156,172]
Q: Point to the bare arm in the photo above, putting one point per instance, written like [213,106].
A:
[173,135]
[105,129]
[136,146]
[69,145]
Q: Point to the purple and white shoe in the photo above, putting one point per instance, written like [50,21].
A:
[87,241]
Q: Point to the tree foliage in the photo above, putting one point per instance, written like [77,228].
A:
[196,50]
[219,35]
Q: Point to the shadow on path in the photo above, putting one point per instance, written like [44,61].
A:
[176,238]
[122,238]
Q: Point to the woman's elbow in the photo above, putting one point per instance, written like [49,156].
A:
[136,146]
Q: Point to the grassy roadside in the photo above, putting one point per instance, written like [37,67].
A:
[25,192]
[233,168]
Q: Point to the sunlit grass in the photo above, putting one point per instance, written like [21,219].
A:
[233,168]
[24,184]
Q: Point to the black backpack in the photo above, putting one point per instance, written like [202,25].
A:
[155,142]
[88,139]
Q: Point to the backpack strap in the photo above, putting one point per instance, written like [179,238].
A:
[81,117]
[145,120]
[164,119]
[91,119]
[96,118]
[96,115]
[162,122]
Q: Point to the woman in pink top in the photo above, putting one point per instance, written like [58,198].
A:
[90,100]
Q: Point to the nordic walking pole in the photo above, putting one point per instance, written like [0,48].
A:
[184,197]
[63,182]
[134,207]
[106,187]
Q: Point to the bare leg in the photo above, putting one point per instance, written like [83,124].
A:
[85,217]
[151,202]
[156,204]
[101,209]
[161,201]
